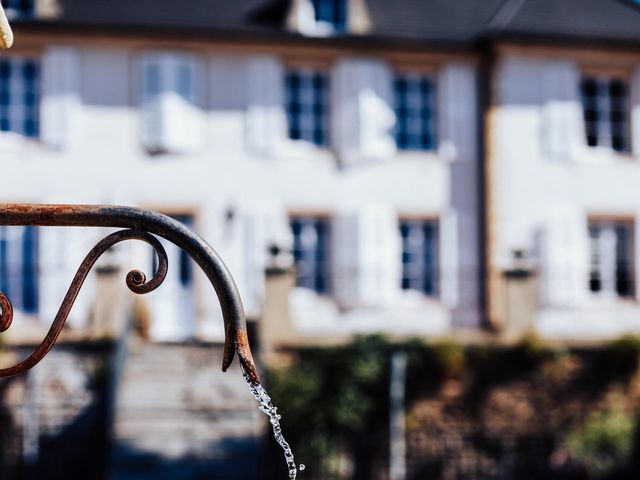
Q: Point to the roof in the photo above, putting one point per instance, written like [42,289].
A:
[453,22]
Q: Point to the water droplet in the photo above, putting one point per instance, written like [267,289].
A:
[302,467]
[268,409]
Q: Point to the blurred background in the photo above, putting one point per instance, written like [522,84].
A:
[431,209]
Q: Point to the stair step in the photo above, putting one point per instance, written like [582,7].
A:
[176,407]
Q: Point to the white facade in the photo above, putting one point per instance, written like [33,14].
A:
[216,147]
[574,208]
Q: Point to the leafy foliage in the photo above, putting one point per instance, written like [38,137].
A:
[330,396]
[604,442]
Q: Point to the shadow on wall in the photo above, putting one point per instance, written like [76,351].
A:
[226,459]
[74,450]
[82,450]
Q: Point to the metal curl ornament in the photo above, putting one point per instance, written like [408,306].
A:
[136,281]
[142,225]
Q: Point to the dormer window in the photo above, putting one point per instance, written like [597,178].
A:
[331,15]
[19,8]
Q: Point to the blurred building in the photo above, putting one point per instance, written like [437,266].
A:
[403,157]
[320,135]
[418,168]
[563,139]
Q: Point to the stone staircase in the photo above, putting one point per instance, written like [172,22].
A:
[178,417]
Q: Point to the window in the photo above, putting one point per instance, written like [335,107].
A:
[307,104]
[605,106]
[19,96]
[611,263]
[332,13]
[183,270]
[171,118]
[419,255]
[415,107]
[311,236]
[19,8]
[165,73]
[19,267]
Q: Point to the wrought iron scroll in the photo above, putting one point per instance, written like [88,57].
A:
[142,225]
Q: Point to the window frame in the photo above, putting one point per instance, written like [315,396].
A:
[329,267]
[17,12]
[420,73]
[309,68]
[608,75]
[330,26]
[27,286]
[169,62]
[18,62]
[437,274]
[614,221]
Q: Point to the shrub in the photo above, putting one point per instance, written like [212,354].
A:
[604,442]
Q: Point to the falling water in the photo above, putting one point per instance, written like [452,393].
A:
[269,410]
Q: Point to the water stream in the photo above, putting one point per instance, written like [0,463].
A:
[269,410]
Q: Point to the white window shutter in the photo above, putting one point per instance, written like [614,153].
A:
[172,120]
[61,250]
[636,248]
[345,253]
[266,124]
[265,225]
[61,98]
[449,268]
[458,115]
[344,113]
[562,120]
[367,258]
[380,255]
[635,113]
[377,116]
[362,114]
[183,114]
[564,257]
[152,123]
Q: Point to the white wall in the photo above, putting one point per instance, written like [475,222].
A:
[97,157]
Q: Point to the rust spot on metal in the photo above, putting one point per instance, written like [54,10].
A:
[7,313]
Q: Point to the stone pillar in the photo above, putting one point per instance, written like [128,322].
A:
[112,304]
[276,326]
[520,302]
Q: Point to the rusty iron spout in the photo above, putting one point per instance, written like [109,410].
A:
[142,225]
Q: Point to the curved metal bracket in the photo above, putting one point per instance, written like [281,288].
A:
[142,225]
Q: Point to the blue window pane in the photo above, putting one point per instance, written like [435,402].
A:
[307,107]
[30,128]
[605,103]
[332,12]
[19,267]
[311,252]
[152,80]
[30,271]
[419,255]
[29,71]
[4,265]
[5,70]
[19,96]
[185,81]
[22,8]
[415,127]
